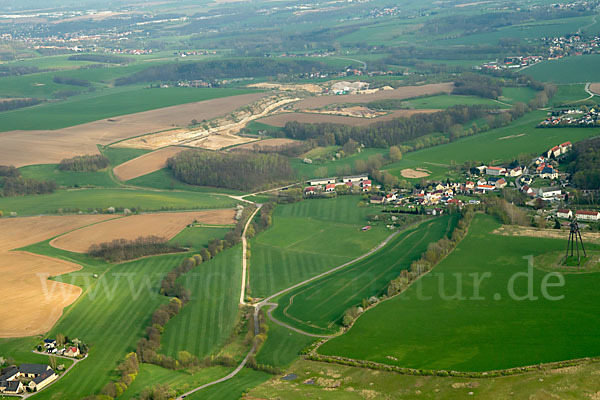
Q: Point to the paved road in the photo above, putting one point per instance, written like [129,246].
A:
[244,252]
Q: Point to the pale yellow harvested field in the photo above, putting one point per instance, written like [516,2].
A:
[510,230]
[314,118]
[145,164]
[165,225]
[219,141]
[40,301]
[595,88]
[415,173]
[400,93]
[21,148]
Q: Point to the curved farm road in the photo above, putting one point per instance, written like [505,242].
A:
[272,306]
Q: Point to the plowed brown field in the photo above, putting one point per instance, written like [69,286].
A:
[146,163]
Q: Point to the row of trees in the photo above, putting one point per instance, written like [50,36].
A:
[123,249]
[128,370]
[584,163]
[477,85]
[19,186]
[86,163]
[67,80]
[387,133]
[238,170]
[13,104]
[103,58]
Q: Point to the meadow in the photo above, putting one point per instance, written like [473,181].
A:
[332,168]
[164,180]
[575,69]
[197,237]
[121,101]
[318,307]
[282,346]
[70,201]
[307,238]
[234,388]
[494,146]
[45,172]
[207,321]
[568,93]
[448,322]
[449,100]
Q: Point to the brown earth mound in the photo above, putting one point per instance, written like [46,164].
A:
[415,173]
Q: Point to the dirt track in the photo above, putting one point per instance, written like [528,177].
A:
[21,148]
[25,274]
[145,164]
[281,119]
[165,225]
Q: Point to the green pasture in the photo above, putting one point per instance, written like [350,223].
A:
[448,100]
[514,95]
[164,180]
[574,69]
[197,237]
[282,346]
[123,295]
[494,146]
[356,383]
[307,238]
[445,321]
[343,166]
[50,172]
[569,93]
[318,307]
[234,388]
[207,321]
[119,155]
[98,199]
[123,101]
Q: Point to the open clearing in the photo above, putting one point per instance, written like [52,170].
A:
[21,148]
[25,274]
[415,173]
[406,92]
[449,322]
[280,120]
[165,225]
[146,163]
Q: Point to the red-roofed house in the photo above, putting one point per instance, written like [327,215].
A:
[587,215]
[496,171]
[310,190]
[72,352]
[330,187]
[555,151]
[568,214]
[485,188]
[365,185]
[566,146]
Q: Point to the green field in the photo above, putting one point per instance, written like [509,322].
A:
[514,95]
[197,237]
[307,238]
[282,346]
[449,100]
[332,168]
[318,307]
[123,295]
[575,69]
[494,146]
[50,172]
[208,319]
[569,93]
[164,180]
[122,101]
[447,325]
[359,383]
[99,199]
[119,155]
[234,388]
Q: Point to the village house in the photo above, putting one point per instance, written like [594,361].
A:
[549,192]
[310,190]
[390,197]
[495,171]
[11,387]
[32,370]
[565,147]
[322,181]
[376,200]
[365,185]
[548,172]
[355,178]
[517,171]
[527,190]
[567,214]
[43,380]
[500,183]
[485,188]
[553,152]
[330,187]
[539,160]
[587,215]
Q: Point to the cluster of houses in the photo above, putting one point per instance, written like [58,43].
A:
[561,46]
[580,215]
[511,63]
[360,183]
[32,377]
[50,346]
[558,151]
[573,117]
[441,193]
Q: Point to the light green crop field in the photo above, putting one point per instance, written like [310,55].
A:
[282,346]
[119,155]
[50,172]
[124,295]
[448,100]
[307,238]
[514,95]
[234,388]
[494,146]
[197,237]
[127,100]
[164,180]
[575,69]
[318,307]
[449,322]
[181,381]
[99,199]
[207,321]
[569,93]
[333,168]
[358,383]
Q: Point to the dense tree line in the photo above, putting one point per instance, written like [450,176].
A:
[128,370]
[13,184]
[13,104]
[102,58]
[9,171]
[67,80]
[221,69]
[584,163]
[86,163]
[11,70]
[477,85]
[123,249]
[238,170]
[387,133]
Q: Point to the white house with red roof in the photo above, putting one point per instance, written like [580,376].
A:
[565,147]
[566,214]
[587,215]
[365,185]
[555,151]
[330,187]
[310,190]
